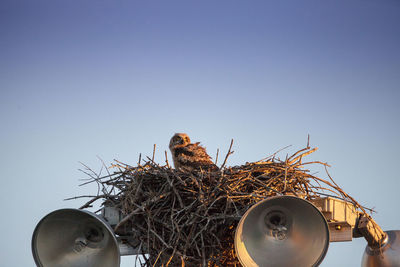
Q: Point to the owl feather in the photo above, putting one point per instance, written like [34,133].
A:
[189,157]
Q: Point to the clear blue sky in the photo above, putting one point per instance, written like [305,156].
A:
[81,79]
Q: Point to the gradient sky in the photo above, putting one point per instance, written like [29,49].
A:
[86,79]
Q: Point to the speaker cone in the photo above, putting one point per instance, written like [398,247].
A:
[74,238]
[282,231]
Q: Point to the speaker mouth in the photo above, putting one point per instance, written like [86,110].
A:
[282,231]
[387,255]
[74,238]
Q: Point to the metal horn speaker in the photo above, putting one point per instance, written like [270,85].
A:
[74,238]
[282,231]
[386,255]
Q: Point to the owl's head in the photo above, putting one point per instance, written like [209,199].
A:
[179,140]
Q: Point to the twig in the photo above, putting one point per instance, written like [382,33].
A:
[227,155]
[154,152]
[166,159]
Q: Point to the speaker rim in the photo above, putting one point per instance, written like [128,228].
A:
[91,214]
[323,254]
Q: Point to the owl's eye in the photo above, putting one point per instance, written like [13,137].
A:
[187,139]
[178,140]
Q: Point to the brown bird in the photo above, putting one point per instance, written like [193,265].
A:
[189,157]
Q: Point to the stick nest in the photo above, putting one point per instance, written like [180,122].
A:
[179,218]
